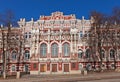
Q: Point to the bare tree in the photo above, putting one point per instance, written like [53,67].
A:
[6,19]
[96,37]
[115,23]
[105,33]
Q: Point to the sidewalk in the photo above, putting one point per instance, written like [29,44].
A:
[76,77]
[66,78]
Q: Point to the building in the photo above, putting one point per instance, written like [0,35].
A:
[11,50]
[60,44]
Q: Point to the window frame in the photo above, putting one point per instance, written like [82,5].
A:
[27,55]
[13,68]
[14,56]
[66,49]
[43,50]
[112,55]
[87,55]
[80,53]
[54,50]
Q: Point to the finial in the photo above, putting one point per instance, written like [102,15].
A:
[31,19]
[1,25]
[83,18]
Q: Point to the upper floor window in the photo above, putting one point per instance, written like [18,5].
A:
[81,34]
[66,49]
[103,53]
[118,54]
[14,55]
[43,49]
[54,49]
[27,55]
[87,53]
[27,35]
[112,53]
[80,53]
[85,34]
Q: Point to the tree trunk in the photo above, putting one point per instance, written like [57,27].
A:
[4,56]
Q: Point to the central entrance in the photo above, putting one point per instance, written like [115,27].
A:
[42,67]
[54,67]
[66,68]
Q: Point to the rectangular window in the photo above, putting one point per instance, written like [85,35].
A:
[25,35]
[29,36]
[66,67]
[54,67]
[34,65]
[89,34]
[13,68]
[81,34]
[43,51]
[42,68]
[85,34]
[73,65]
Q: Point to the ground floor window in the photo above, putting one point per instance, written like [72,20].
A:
[26,67]
[54,67]
[73,65]
[42,67]
[88,67]
[66,67]
[34,65]
[13,68]
[80,66]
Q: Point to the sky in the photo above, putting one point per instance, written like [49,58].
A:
[34,8]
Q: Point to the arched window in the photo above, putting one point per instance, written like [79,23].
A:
[54,49]
[14,55]
[103,53]
[43,50]
[80,53]
[66,49]
[27,55]
[112,53]
[87,53]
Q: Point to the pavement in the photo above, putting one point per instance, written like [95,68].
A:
[67,78]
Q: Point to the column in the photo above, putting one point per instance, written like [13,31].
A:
[48,46]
